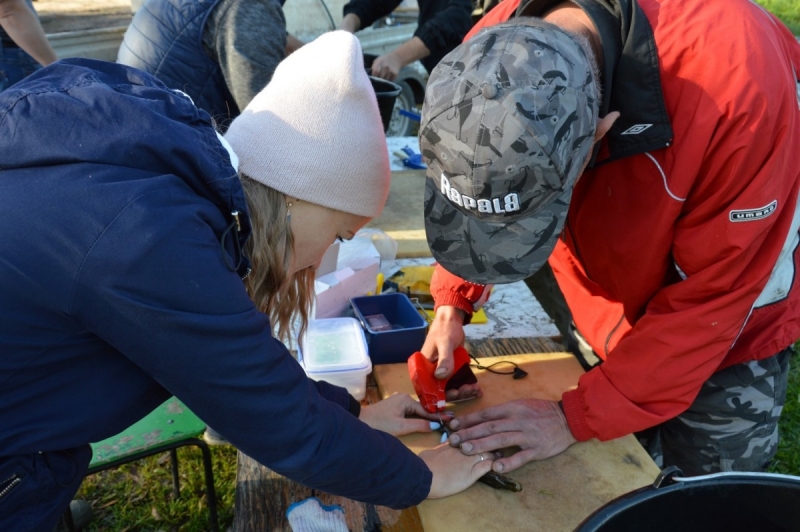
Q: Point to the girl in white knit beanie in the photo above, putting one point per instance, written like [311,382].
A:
[314,166]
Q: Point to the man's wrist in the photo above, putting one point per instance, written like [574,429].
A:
[450,313]
[410,51]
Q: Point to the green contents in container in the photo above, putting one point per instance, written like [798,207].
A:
[330,348]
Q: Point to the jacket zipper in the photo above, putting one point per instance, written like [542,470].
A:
[10,483]
[611,334]
[580,259]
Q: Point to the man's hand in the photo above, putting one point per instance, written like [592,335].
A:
[445,334]
[387,66]
[390,415]
[538,427]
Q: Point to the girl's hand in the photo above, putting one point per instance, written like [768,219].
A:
[454,471]
[390,415]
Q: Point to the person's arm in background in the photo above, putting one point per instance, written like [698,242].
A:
[24,28]
[442,26]
[292,43]
[388,66]
[248,39]
[360,14]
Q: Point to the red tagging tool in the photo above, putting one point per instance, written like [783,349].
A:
[429,389]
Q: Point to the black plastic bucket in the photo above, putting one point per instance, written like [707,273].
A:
[386,92]
[722,502]
[368,60]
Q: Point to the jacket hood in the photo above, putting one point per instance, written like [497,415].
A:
[88,111]
[630,77]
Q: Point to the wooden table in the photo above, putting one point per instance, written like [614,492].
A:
[262,496]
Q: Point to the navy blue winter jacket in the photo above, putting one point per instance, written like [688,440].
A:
[116,291]
[165,38]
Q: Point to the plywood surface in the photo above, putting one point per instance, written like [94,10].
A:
[558,493]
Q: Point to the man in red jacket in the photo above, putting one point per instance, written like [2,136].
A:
[671,261]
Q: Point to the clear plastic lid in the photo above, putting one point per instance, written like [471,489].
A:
[334,344]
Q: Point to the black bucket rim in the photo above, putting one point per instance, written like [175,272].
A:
[670,481]
[394,92]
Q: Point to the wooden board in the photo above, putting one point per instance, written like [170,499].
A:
[558,493]
[263,496]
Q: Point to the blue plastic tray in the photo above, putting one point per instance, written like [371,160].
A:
[408,327]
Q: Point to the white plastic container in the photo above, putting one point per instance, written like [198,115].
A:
[335,350]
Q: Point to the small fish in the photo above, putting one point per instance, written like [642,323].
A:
[532,114]
[445,218]
[550,75]
[505,268]
[441,244]
[564,129]
[487,47]
[544,236]
[546,46]
[500,482]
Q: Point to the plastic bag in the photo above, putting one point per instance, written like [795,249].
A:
[368,242]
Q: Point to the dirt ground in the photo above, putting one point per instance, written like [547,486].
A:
[73,15]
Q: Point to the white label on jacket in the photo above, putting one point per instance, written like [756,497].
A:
[751,215]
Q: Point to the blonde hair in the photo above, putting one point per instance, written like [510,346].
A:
[277,294]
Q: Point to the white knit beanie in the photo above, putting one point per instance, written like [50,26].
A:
[315,132]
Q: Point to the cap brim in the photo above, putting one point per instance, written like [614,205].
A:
[491,253]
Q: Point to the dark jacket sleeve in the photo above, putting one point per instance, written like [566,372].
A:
[442,26]
[248,40]
[338,395]
[370,10]
[154,287]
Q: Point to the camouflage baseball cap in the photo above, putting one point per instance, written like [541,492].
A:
[508,121]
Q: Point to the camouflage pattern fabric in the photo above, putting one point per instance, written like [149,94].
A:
[508,121]
[733,423]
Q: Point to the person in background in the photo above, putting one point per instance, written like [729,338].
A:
[647,150]
[23,44]
[219,52]
[441,26]
[480,8]
[147,256]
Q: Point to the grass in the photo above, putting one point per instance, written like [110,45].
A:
[787,460]
[138,497]
[786,10]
